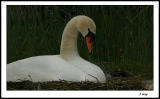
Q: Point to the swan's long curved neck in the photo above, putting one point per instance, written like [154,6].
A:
[68,48]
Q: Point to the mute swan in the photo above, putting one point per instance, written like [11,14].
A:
[68,65]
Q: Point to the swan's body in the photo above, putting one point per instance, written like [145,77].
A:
[67,66]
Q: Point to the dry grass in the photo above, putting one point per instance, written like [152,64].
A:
[116,83]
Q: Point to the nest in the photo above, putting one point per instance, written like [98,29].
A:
[116,83]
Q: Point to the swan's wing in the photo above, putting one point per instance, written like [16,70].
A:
[43,68]
[89,68]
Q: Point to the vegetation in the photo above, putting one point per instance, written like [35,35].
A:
[117,83]
[124,38]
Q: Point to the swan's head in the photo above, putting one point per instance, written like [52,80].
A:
[87,28]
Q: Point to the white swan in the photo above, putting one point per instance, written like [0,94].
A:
[68,65]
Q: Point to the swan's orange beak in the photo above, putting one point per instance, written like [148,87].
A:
[89,44]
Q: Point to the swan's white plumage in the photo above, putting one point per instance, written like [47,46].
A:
[43,68]
[67,66]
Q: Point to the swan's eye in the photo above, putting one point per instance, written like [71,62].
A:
[91,35]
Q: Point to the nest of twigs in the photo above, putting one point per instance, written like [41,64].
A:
[116,83]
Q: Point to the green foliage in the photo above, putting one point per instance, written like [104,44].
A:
[124,33]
